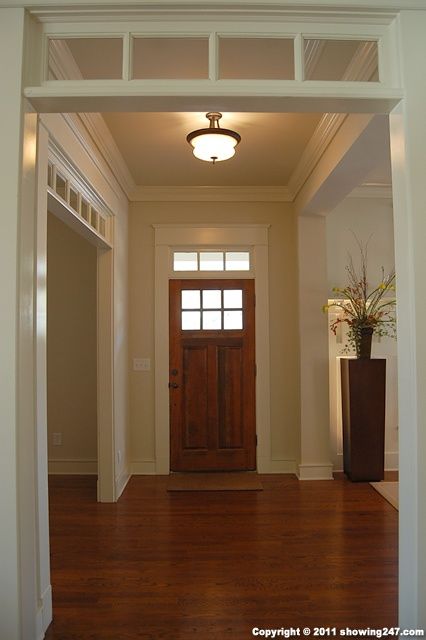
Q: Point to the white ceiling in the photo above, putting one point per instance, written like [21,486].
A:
[156,152]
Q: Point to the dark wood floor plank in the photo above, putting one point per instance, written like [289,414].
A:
[214,565]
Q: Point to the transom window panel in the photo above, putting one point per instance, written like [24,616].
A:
[185,261]
[70,194]
[86,58]
[211,261]
[347,60]
[211,309]
[170,58]
[256,58]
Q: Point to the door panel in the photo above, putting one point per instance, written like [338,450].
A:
[212,375]
[230,388]
[195,407]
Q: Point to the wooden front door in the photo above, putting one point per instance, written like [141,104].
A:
[212,375]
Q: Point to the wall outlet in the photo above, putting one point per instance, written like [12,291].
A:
[57,439]
[141,364]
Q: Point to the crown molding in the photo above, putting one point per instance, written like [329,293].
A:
[363,63]
[104,141]
[327,128]
[312,53]
[382,191]
[61,61]
[379,12]
[211,194]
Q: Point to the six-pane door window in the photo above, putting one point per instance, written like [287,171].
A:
[211,309]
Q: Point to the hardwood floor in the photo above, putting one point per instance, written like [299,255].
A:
[160,565]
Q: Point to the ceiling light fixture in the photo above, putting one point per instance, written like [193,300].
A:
[213,144]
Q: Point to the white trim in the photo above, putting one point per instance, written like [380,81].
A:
[211,194]
[46,608]
[88,131]
[312,53]
[319,11]
[45,613]
[43,539]
[143,467]
[327,128]
[315,472]
[363,63]
[383,191]
[121,482]
[62,161]
[104,140]
[166,238]
[73,466]
[73,220]
[61,62]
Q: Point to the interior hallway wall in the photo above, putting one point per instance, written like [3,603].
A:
[283,292]
[71,350]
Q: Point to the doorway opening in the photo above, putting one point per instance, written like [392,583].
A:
[71,351]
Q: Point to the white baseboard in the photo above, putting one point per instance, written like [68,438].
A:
[391,461]
[121,482]
[315,471]
[45,613]
[266,465]
[73,466]
[143,467]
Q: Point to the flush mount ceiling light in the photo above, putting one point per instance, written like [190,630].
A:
[213,144]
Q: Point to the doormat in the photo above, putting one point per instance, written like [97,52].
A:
[237,481]
[389,490]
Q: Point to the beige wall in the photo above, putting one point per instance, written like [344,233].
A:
[368,219]
[283,312]
[71,349]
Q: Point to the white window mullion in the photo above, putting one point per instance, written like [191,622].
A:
[213,57]
[127,57]
[299,75]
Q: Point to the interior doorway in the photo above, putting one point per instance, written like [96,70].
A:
[212,375]
[71,351]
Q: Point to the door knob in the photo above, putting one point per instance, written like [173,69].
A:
[173,385]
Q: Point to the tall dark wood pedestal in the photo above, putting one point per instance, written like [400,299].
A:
[363,417]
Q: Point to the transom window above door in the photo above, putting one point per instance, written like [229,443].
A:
[211,309]
[211,260]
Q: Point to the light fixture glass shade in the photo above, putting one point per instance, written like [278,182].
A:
[213,147]
[213,144]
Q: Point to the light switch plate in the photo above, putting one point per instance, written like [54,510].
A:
[141,364]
